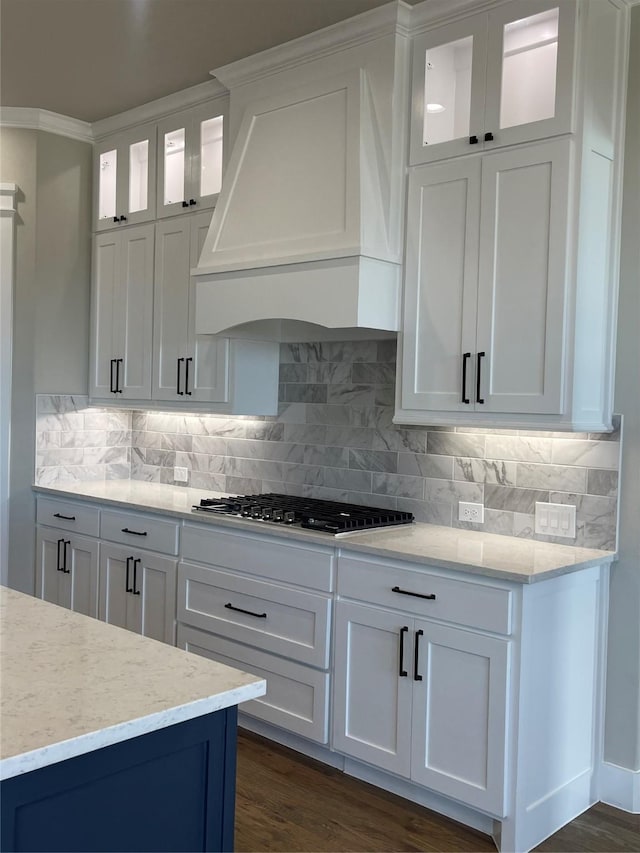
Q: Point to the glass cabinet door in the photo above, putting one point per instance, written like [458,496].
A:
[125,174]
[190,150]
[448,90]
[530,71]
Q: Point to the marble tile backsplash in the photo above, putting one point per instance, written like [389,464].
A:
[334,438]
[75,442]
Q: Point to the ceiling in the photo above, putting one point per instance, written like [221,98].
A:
[89,59]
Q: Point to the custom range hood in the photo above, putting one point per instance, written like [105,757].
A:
[307,228]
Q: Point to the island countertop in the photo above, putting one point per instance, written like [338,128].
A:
[71,684]
[508,558]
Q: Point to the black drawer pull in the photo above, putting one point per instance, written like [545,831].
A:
[230,606]
[479,399]
[64,517]
[416,653]
[473,140]
[414,594]
[126,583]
[134,532]
[402,672]
[465,357]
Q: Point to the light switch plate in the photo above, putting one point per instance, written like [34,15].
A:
[181,475]
[556,520]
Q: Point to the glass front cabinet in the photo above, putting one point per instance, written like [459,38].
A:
[493,79]
[190,159]
[125,178]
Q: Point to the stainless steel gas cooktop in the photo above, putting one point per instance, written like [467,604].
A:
[330,517]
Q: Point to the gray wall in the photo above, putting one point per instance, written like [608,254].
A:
[622,733]
[51,303]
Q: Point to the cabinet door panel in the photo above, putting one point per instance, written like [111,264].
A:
[171,309]
[523,277]
[459,716]
[209,371]
[82,561]
[104,312]
[449,65]
[530,70]
[136,312]
[115,607]
[156,582]
[372,702]
[47,574]
[440,286]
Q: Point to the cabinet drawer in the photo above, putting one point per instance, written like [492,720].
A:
[289,622]
[302,565]
[297,697]
[140,531]
[68,515]
[467,603]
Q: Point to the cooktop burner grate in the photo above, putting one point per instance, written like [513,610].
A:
[331,517]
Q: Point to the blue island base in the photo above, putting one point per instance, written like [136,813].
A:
[170,790]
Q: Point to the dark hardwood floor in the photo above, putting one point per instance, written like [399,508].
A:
[288,802]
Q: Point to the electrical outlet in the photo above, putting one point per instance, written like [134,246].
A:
[556,519]
[181,475]
[471,512]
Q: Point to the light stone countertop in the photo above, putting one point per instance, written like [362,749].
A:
[71,684]
[491,555]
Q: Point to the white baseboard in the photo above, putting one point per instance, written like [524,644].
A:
[620,787]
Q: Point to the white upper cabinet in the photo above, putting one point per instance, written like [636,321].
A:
[484,321]
[186,365]
[493,79]
[125,178]
[122,314]
[190,159]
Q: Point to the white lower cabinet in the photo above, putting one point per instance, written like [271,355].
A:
[422,700]
[67,570]
[262,605]
[137,591]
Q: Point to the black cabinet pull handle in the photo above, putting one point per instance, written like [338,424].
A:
[479,399]
[186,376]
[116,219]
[416,654]
[488,137]
[185,204]
[112,387]
[123,219]
[64,554]
[402,671]
[135,575]
[119,361]
[59,564]
[65,517]
[126,584]
[134,532]
[414,594]
[192,201]
[178,391]
[473,140]
[230,606]
[465,357]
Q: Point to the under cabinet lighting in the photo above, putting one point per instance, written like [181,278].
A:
[435,108]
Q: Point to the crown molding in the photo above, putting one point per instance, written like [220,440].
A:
[31,118]
[392,18]
[161,107]
[425,15]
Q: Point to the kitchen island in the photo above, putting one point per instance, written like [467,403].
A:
[111,741]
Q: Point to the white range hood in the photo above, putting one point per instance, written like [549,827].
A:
[307,229]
